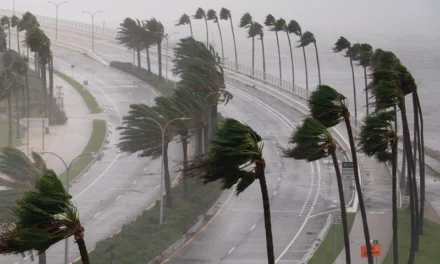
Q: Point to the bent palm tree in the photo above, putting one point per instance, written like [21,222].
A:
[306,39]
[44,216]
[256,29]
[157,32]
[276,25]
[364,52]
[200,14]
[212,15]
[185,20]
[5,22]
[225,14]
[295,28]
[130,35]
[246,22]
[313,142]
[330,108]
[15,22]
[379,139]
[237,146]
[147,42]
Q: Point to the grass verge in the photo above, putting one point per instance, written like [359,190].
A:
[166,89]
[333,243]
[428,247]
[95,144]
[144,239]
[86,95]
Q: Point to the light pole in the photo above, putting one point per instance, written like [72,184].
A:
[56,23]
[167,36]
[66,247]
[93,27]
[163,129]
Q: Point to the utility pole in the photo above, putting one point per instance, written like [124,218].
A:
[93,27]
[56,23]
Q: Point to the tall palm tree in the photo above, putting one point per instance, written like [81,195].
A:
[313,142]
[256,29]
[129,35]
[148,41]
[6,22]
[140,134]
[246,22]
[3,41]
[330,108]
[225,14]
[185,20]
[295,28]
[44,216]
[286,28]
[156,29]
[237,148]
[363,55]
[307,38]
[212,15]
[200,14]
[344,45]
[15,22]
[6,92]
[276,25]
[379,139]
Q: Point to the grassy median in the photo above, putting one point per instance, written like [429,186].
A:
[86,95]
[329,250]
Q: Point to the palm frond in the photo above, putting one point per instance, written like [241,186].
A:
[225,14]
[328,106]
[200,14]
[212,15]
[341,44]
[294,28]
[306,39]
[184,20]
[246,20]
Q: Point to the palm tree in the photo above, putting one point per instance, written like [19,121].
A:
[313,142]
[15,22]
[212,15]
[156,30]
[256,29]
[3,42]
[130,35]
[330,108]
[148,41]
[5,21]
[341,45]
[246,22]
[200,14]
[363,55]
[19,67]
[276,25]
[44,216]
[225,14]
[141,134]
[379,139]
[237,148]
[5,92]
[286,28]
[306,39]
[185,20]
[295,28]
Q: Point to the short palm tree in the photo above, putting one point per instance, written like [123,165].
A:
[225,14]
[15,22]
[364,52]
[308,38]
[295,28]
[185,20]
[276,25]
[212,15]
[6,22]
[331,108]
[344,45]
[379,139]
[130,35]
[156,29]
[200,14]
[313,142]
[236,158]
[44,216]
[246,22]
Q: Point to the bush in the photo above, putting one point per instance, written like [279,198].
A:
[166,89]
[59,116]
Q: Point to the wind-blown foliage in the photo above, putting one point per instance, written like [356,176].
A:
[225,14]
[363,53]
[328,105]
[156,30]
[130,34]
[212,15]
[200,14]
[276,25]
[185,20]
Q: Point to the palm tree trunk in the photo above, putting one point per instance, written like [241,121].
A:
[359,189]
[354,88]
[138,51]
[343,208]
[44,86]
[260,175]
[28,108]
[214,121]
[367,104]
[9,30]
[394,198]
[291,59]
[50,104]
[159,56]
[167,177]
[421,162]
[317,61]
[199,142]
[18,41]
[253,55]
[403,184]
[79,240]
[23,101]
[42,258]
[264,57]
[148,60]
[221,41]
[279,59]
[17,108]
[206,138]
[9,118]
[307,73]
[233,36]
[207,33]
[191,28]
[184,139]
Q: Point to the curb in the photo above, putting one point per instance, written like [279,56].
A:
[317,242]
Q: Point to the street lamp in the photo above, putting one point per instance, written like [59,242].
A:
[167,36]
[93,27]
[56,24]
[163,129]
[94,154]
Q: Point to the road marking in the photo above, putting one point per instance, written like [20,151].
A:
[275,193]
[108,97]
[317,190]
[376,212]
[252,228]
[312,182]
[250,114]
[274,142]
[278,153]
[27,257]
[97,214]
[279,178]
[145,169]
[279,165]
[268,132]
[134,182]
[292,241]
[230,251]
[260,122]
[119,197]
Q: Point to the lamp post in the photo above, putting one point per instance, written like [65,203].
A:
[167,36]
[163,129]
[56,23]
[93,27]
[66,247]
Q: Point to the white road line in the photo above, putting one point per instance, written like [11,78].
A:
[97,214]
[312,182]
[134,182]
[230,251]
[250,114]
[268,132]
[17,263]
[27,257]
[108,97]
[260,122]
[274,142]
[317,190]
[279,178]
[376,212]
[119,197]
[275,193]
[292,241]
[145,169]
[252,228]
